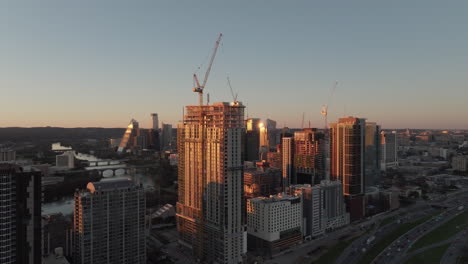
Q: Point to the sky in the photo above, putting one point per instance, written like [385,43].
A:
[101,63]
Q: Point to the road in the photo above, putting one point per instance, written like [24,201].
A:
[396,251]
[457,248]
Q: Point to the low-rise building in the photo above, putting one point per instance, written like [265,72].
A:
[274,223]
[65,160]
[460,163]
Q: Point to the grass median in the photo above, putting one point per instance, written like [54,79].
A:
[334,252]
[443,232]
[373,252]
[431,256]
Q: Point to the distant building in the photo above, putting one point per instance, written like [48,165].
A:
[274,223]
[287,153]
[347,139]
[262,181]
[390,200]
[155,121]
[372,154]
[268,134]
[56,257]
[20,218]
[210,203]
[166,137]
[460,163]
[65,160]
[315,220]
[308,157]
[109,223]
[154,140]
[129,139]
[275,159]
[7,155]
[389,146]
[334,204]
[114,142]
[252,139]
[57,233]
[173,159]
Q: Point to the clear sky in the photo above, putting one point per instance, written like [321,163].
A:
[101,63]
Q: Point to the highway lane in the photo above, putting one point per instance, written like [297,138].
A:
[397,250]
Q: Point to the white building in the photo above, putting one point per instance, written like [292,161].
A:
[274,223]
[65,160]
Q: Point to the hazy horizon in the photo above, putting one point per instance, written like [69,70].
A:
[100,63]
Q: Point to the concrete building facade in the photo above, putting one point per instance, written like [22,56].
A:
[20,220]
[210,204]
[109,223]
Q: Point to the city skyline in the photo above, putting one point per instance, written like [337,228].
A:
[93,64]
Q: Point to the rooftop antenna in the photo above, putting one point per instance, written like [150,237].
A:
[207,98]
[302,124]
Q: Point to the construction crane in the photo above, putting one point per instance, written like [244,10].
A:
[234,96]
[199,88]
[325,130]
[325,107]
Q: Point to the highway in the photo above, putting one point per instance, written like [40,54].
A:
[396,251]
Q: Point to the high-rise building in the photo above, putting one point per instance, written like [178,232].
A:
[315,220]
[166,136]
[372,154]
[253,124]
[262,181]
[155,121]
[252,139]
[109,223]
[275,158]
[274,223]
[210,166]
[389,157]
[347,139]
[129,138]
[57,233]
[324,208]
[334,204]
[154,141]
[268,135]
[20,218]
[287,153]
[308,157]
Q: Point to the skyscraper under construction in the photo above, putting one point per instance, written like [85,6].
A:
[209,209]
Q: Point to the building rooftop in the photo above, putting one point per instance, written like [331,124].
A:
[110,185]
[275,198]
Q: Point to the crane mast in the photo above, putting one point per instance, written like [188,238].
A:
[199,88]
